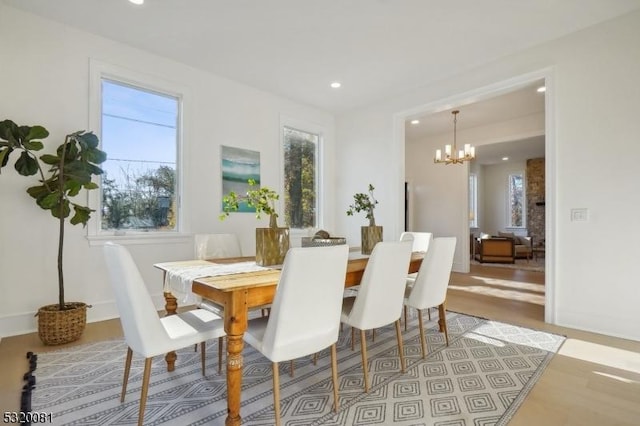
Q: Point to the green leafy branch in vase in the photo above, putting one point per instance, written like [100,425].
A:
[263,199]
[364,203]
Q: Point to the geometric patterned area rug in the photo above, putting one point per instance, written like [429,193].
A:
[481,378]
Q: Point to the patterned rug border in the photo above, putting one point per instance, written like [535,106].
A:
[526,389]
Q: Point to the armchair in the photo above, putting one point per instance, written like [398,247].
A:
[495,249]
[523,246]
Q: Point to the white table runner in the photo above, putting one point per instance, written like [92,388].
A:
[180,275]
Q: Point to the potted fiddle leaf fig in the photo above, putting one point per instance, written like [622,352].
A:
[372,234]
[61,176]
[272,243]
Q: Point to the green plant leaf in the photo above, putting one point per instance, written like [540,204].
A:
[89,140]
[94,170]
[71,150]
[66,210]
[38,192]
[96,156]
[36,132]
[50,201]
[72,187]
[82,215]
[77,176]
[33,145]
[4,156]
[26,164]
[7,127]
[50,159]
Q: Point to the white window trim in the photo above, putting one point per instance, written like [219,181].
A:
[319,130]
[97,71]
[524,200]
[473,207]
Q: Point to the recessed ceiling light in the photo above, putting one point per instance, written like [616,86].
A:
[137,1]
[505,158]
[415,121]
[335,84]
[541,89]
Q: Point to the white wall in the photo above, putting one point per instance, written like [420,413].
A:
[595,93]
[44,79]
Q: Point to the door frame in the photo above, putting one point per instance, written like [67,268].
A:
[479,94]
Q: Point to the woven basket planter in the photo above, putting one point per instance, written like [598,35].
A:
[56,327]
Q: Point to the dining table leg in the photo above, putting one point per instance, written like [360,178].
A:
[235,324]
[170,307]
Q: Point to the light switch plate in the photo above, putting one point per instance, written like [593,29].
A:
[579,215]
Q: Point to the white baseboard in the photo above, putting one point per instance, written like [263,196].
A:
[459,267]
[25,323]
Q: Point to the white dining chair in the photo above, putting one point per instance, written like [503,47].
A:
[421,241]
[379,299]
[430,288]
[215,246]
[305,313]
[145,332]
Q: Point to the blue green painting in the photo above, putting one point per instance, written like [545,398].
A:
[238,166]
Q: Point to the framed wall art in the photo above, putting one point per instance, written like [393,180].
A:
[238,166]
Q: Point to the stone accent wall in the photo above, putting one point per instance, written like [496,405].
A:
[535,195]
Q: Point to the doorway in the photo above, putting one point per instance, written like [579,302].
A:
[444,191]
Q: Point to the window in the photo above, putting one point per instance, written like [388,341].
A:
[473,200]
[300,178]
[140,134]
[516,213]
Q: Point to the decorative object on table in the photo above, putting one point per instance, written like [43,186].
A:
[272,243]
[454,156]
[69,171]
[322,239]
[372,234]
[238,165]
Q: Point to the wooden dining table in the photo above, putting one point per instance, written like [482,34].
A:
[237,294]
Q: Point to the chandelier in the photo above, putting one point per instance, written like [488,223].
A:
[451,154]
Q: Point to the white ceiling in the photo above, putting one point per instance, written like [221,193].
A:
[518,103]
[514,151]
[295,48]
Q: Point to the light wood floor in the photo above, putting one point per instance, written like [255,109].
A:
[594,380]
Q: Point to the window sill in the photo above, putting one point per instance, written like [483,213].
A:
[131,238]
